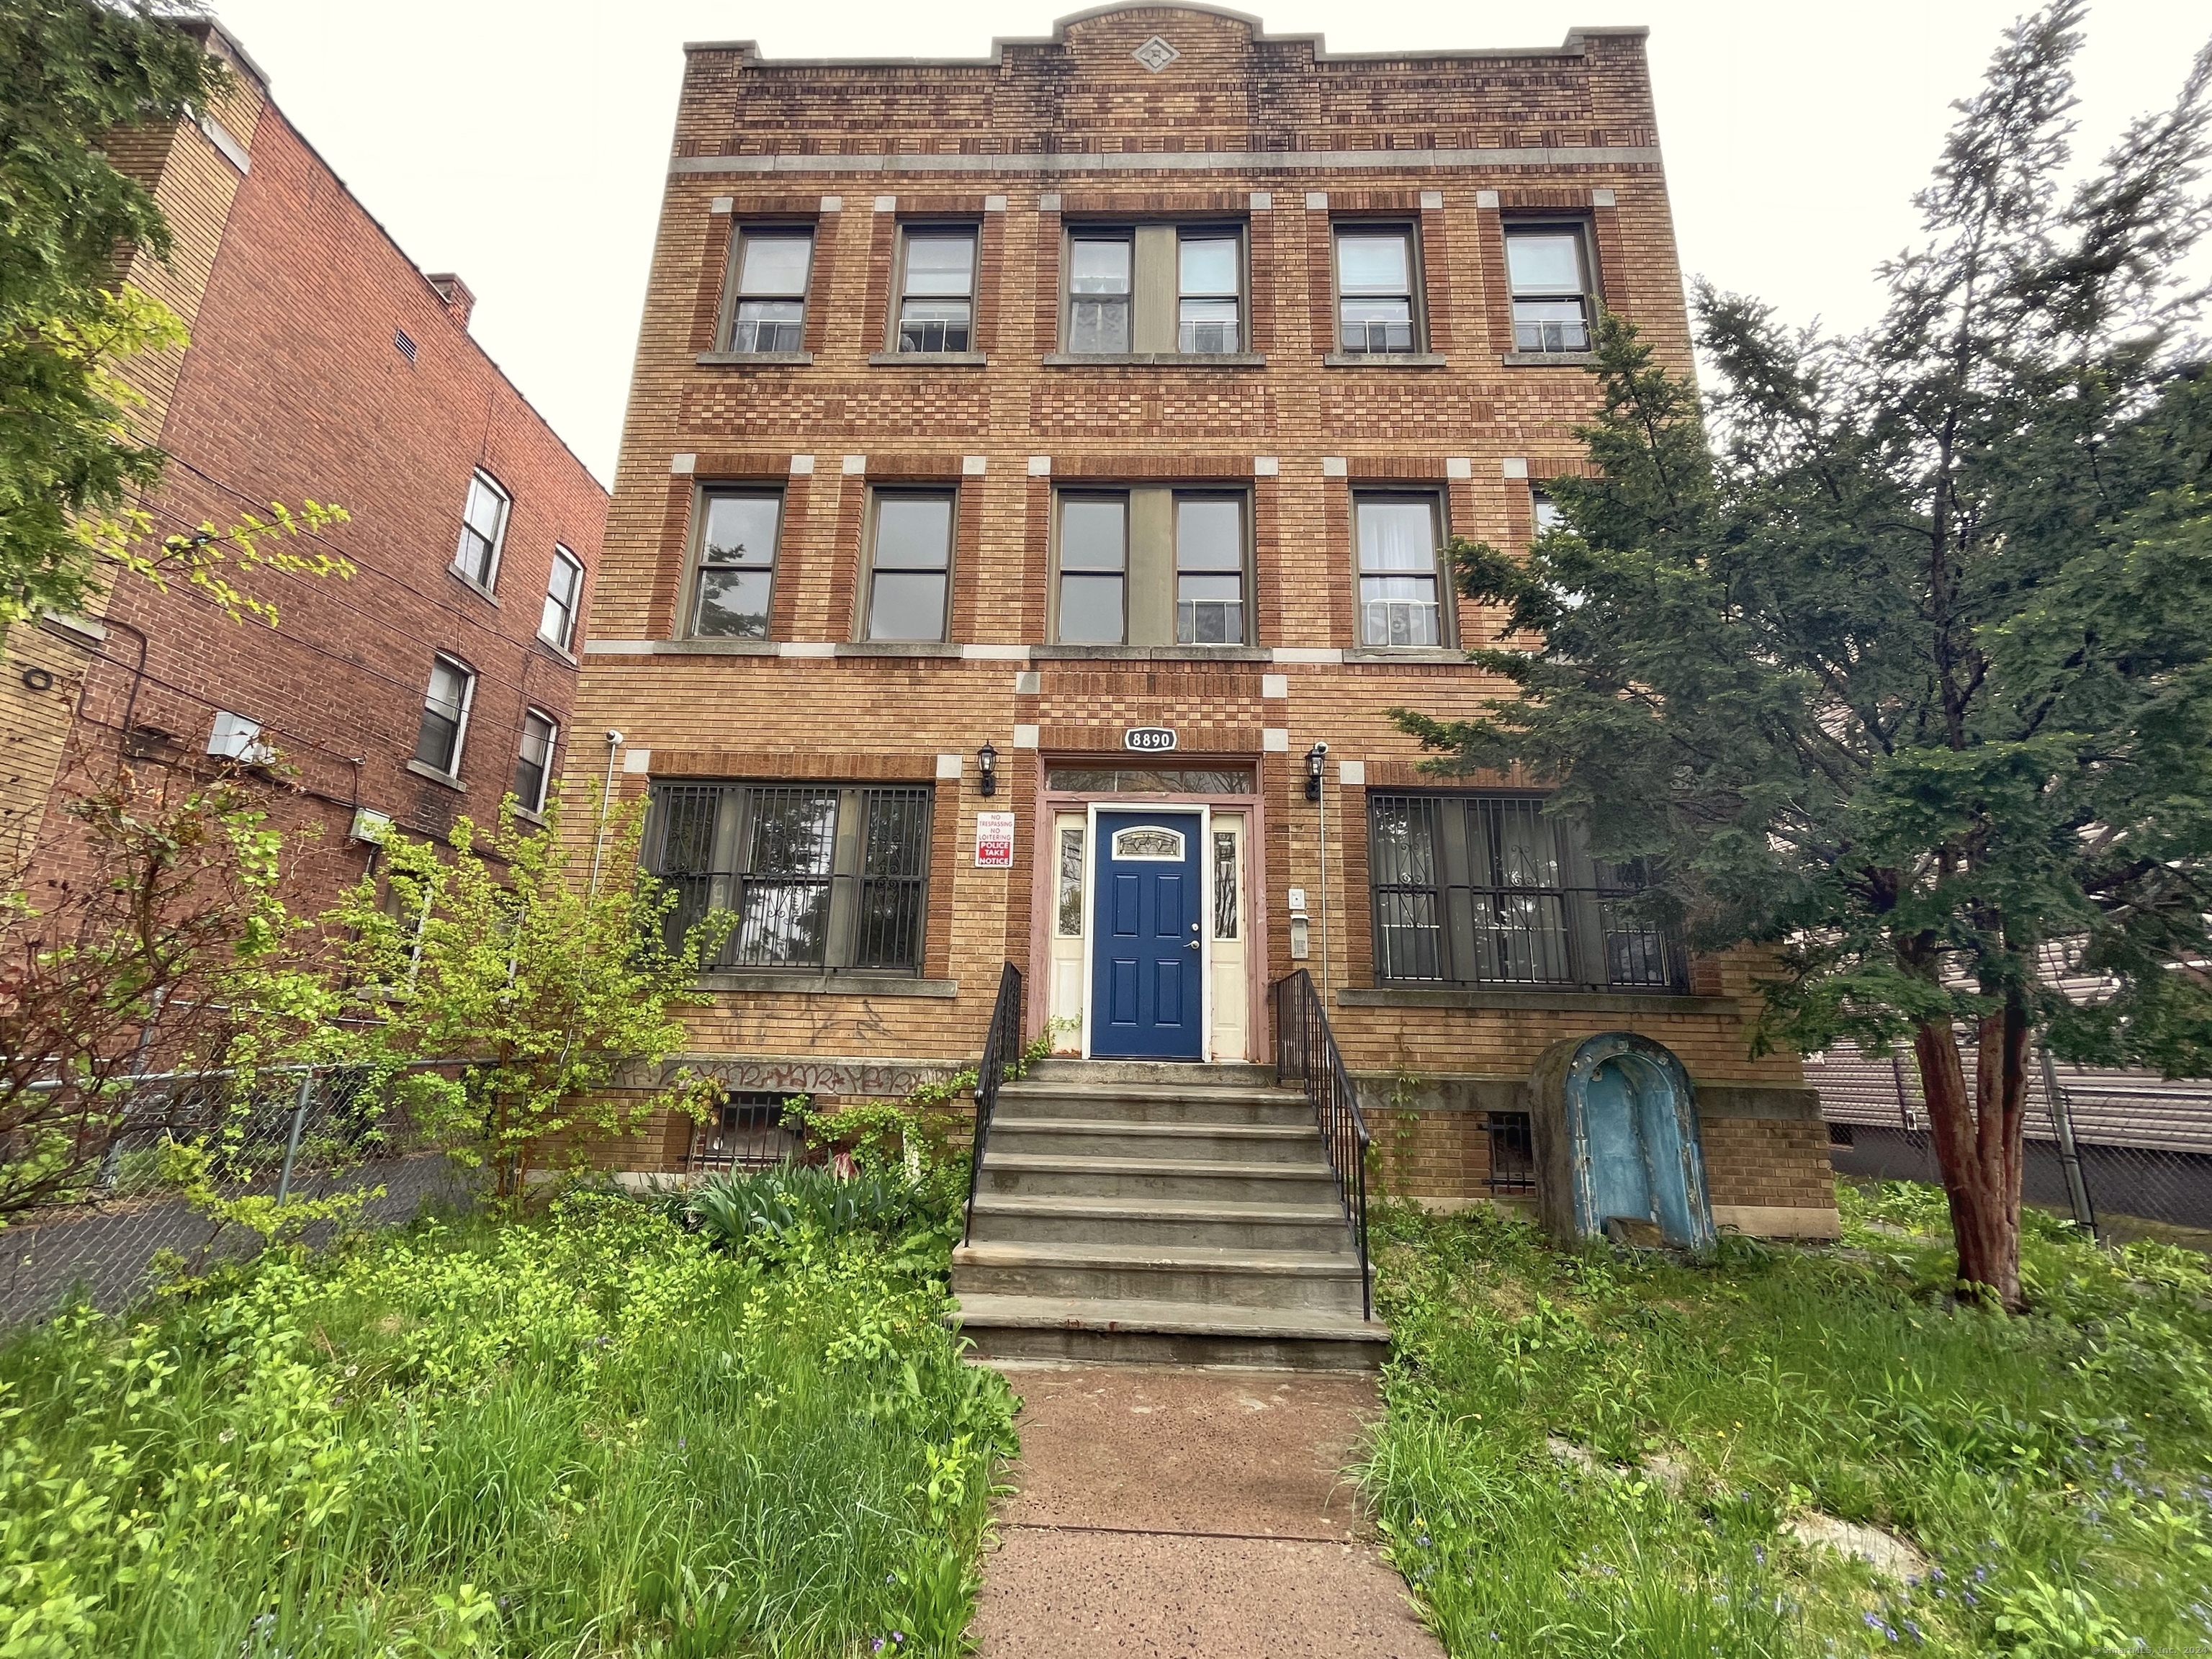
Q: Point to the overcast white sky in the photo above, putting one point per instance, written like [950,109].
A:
[523,143]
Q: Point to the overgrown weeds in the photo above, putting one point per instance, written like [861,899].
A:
[1599,1453]
[597,1434]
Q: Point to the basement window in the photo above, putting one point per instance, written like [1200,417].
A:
[1512,1153]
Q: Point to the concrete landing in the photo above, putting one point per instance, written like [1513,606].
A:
[1190,1515]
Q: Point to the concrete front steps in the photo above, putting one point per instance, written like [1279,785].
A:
[1154,1212]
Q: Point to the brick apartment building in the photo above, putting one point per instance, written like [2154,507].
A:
[1071,434]
[325,365]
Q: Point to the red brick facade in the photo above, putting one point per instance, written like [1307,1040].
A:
[1281,145]
[323,365]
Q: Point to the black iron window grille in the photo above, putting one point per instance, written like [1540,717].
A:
[1485,889]
[747,1129]
[824,878]
[1512,1153]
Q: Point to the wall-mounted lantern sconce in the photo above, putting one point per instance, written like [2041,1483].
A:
[986,771]
[1314,756]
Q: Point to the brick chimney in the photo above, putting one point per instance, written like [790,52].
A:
[455,293]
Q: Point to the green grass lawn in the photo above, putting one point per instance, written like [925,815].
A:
[595,1433]
[2055,1470]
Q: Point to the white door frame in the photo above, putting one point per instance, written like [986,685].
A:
[1092,848]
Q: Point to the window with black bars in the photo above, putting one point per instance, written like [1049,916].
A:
[1512,1153]
[1485,889]
[823,877]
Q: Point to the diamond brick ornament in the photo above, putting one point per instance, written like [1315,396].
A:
[1156,54]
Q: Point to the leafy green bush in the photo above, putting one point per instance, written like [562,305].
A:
[777,1206]
[593,1434]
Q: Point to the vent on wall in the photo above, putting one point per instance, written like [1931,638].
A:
[406,346]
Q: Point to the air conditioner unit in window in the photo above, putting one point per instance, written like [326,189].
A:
[236,738]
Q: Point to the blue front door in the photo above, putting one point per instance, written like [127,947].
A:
[1147,959]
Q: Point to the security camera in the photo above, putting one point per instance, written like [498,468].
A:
[614,739]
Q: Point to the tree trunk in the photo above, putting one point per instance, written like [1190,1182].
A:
[1977,1145]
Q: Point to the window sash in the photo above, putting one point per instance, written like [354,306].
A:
[1400,587]
[1209,294]
[1483,889]
[768,308]
[735,584]
[557,622]
[824,878]
[910,579]
[1209,569]
[1375,311]
[1547,269]
[445,716]
[534,760]
[483,527]
[936,297]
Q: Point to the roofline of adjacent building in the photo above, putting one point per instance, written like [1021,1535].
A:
[1569,47]
[231,44]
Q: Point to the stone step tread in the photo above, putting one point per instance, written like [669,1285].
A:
[1157,1209]
[1181,1258]
[996,1162]
[1227,1094]
[1166,1318]
[1097,1126]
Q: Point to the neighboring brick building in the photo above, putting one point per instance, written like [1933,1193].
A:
[1022,410]
[323,365]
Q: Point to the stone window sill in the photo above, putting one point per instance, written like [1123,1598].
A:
[423,770]
[896,648]
[1403,653]
[529,816]
[832,985]
[710,648]
[1536,1002]
[1151,653]
[560,651]
[473,584]
[1547,359]
[754,358]
[1156,360]
[1385,360]
[927,358]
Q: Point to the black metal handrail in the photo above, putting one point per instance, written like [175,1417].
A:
[1002,1051]
[1306,1053]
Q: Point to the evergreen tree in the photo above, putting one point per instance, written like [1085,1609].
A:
[1899,662]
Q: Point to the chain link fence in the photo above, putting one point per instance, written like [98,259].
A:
[2127,1154]
[297,1135]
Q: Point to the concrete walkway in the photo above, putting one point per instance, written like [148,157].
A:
[1190,1514]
